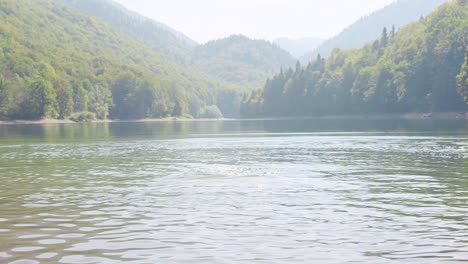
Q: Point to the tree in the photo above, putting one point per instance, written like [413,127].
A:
[99,98]
[80,97]
[64,99]
[180,101]
[4,98]
[42,101]
[384,38]
[462,80]
[45,53]
[423,67]
[123,90]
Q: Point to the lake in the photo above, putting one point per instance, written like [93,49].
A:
[252,191]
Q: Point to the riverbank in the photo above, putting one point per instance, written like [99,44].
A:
[68,121]
[36,122]
[408,116]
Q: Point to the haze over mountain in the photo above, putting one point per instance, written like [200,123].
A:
[207,20]
[298,47]
[369,27]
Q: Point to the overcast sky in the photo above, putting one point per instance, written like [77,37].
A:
[204,20]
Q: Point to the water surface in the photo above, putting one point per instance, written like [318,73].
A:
[258,191]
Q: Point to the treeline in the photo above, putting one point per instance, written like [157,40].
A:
[422,67]
[58,63]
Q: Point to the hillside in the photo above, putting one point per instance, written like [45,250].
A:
[421,68]
[298,47]
[240,60]
[236,60]
[158,36]
[368,28]
[56,61]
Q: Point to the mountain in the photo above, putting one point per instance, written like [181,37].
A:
[237,59]
[56,62]
[240,60]
[421,68]
[156,35]
[368,28]
[298,47]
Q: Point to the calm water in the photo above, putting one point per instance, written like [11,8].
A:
[290,191]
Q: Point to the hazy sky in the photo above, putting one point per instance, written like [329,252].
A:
[204,20]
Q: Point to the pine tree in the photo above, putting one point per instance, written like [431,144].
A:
[384,38]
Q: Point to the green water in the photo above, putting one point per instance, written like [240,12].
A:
[253,191]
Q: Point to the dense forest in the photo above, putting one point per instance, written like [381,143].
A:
[366,29]
[240,60]
[155,35]
[56,62]
[422,67]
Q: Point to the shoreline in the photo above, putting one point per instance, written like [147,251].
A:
[407,116]
[144,120]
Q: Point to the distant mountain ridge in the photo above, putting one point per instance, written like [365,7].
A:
[368,28]
[298,47]
[238,59]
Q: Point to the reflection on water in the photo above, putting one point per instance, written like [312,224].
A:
[237,191]
[161,130]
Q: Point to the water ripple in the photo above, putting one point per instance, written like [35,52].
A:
[279,199]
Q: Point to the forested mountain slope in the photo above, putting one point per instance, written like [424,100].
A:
[421,68]
[368,28]
[238,59]
[55,61]
[158,36]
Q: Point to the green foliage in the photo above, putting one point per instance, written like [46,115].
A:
[153,34]
[56,60]
[211,111]
[83,117]
[240,60]
[414,69]
[41,102]
[462,80]
[236,60]
[229,102]
[64,98]
[384,38]
[4,97]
